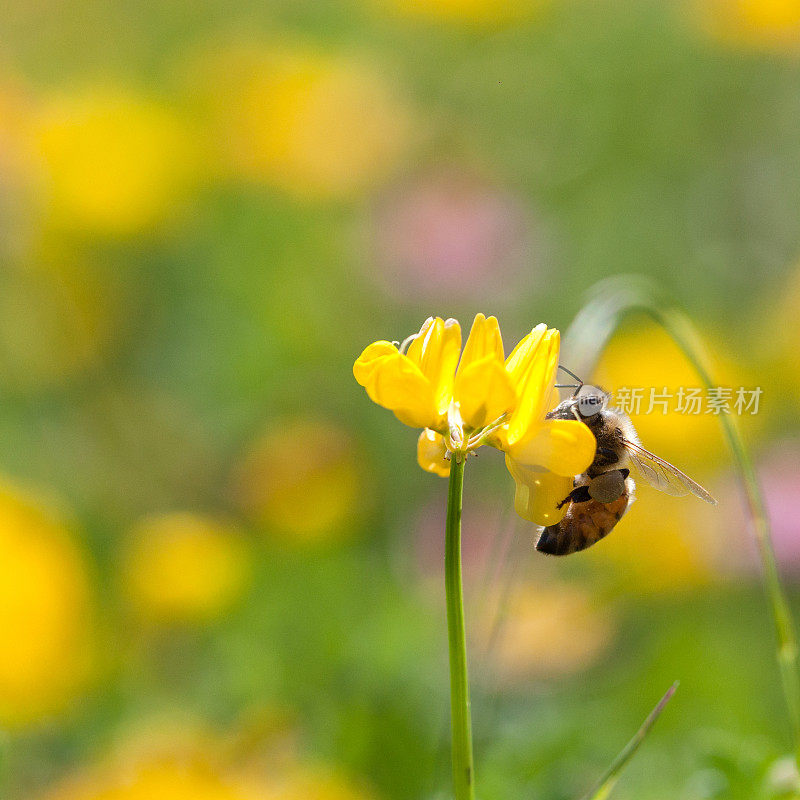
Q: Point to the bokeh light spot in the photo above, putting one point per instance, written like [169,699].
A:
[475,12]
[46,628]
[116,162]
[315,125]
[545,630]
[303,482]
[185,567]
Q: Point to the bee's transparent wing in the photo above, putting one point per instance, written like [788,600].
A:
[662,475]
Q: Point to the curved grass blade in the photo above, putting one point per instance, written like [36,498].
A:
[606,784]
[611,302]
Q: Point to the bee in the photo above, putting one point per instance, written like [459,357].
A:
[605,491]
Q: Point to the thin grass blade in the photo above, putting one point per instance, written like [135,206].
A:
[611,303]
[606,784]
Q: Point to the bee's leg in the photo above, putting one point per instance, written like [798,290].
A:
[608,486]
[579,495]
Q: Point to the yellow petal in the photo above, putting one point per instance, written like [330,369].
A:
[484,391]
[521,355]
[368,361]
[484,340]
[435,351]
[430,453]
[533,372]
[538,493]
[566,447]
[395,382]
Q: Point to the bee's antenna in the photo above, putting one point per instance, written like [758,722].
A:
[574,386]
[570,373]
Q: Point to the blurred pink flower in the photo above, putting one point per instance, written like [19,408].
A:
[453,235]
[779,476]
[779,473]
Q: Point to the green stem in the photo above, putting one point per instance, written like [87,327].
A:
[622,297]
[463,769]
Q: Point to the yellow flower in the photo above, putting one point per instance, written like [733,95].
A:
[185,567]
[318,126]
[195,777]
[115,163]
[168,778]
[484,400]
[47,635]
[163,759]
[767,24]
[303,482]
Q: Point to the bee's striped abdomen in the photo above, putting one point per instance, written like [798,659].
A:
[582,526]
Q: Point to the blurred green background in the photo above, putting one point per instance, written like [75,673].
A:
[220,567]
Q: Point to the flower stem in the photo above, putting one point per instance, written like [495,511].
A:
[615,300]
[463,769]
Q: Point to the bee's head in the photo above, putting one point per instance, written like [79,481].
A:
[589,400]
[586,401]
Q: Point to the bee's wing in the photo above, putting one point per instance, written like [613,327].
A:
[662,475]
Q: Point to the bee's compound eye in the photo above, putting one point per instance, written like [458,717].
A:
[590,400]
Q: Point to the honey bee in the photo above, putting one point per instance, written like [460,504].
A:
[605,491]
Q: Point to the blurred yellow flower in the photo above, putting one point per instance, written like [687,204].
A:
[185,567]
[315,125]
[483,400]
[47,642]
[479,12]
[182,762]
[646,358]
[542,630]
[116,163]
[308,783]
[195,778]
[59,315]
[157,778]
[773,24]
[303,481]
